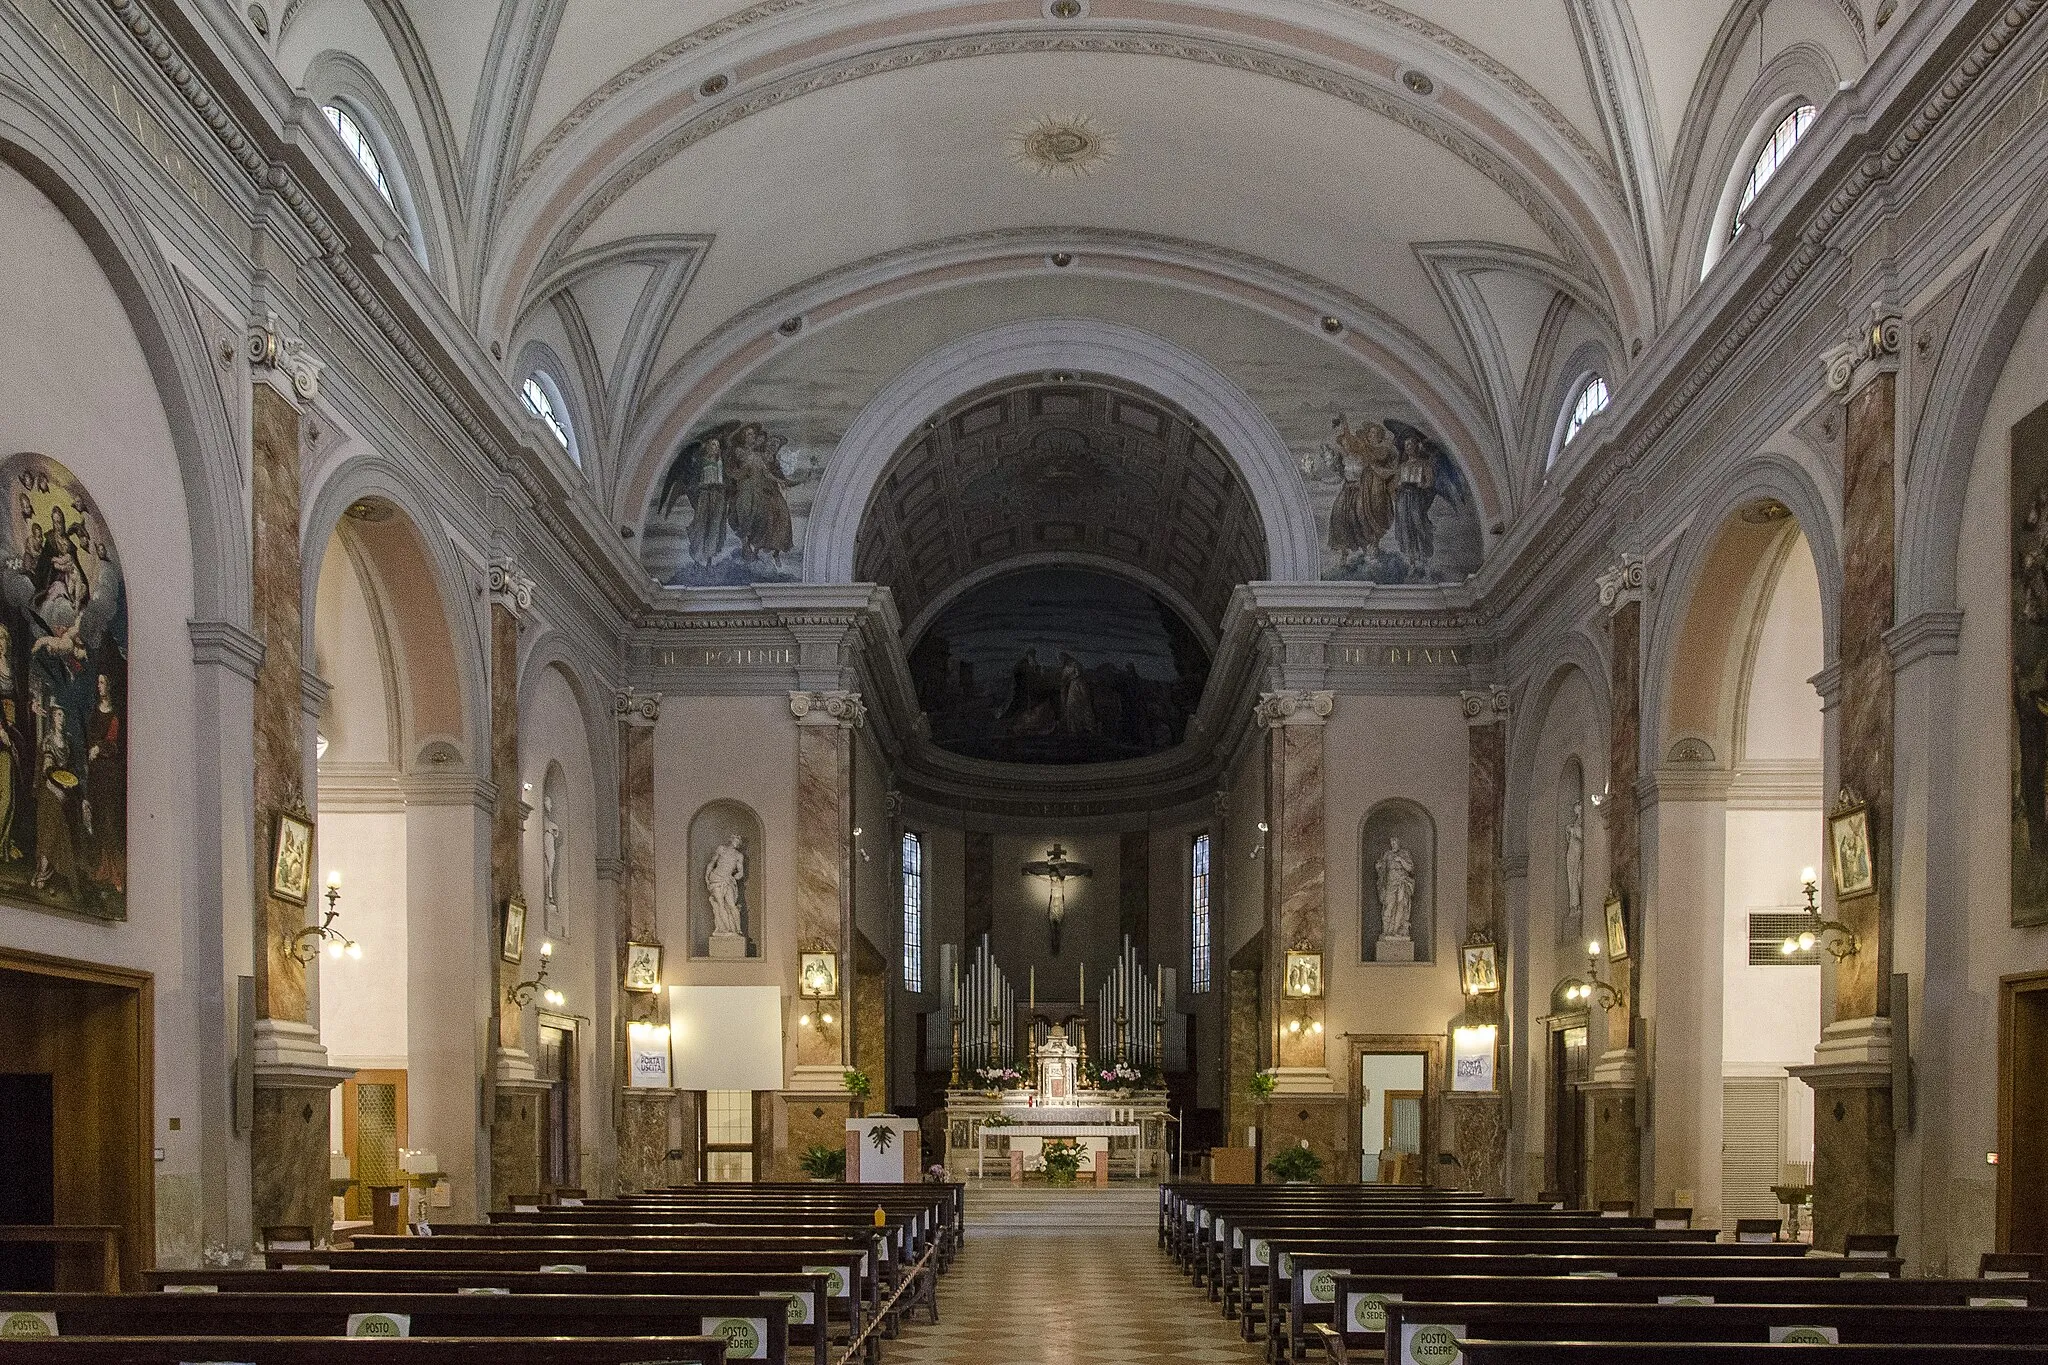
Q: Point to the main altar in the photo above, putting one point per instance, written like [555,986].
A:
[1002,1128]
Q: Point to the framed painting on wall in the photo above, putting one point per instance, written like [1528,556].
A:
[1617,927]
[513,946]
[291,857]
[1849,847]
[643,967]
[1480,969]
[1304,975]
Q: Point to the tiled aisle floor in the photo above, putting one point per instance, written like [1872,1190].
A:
[1071,1277]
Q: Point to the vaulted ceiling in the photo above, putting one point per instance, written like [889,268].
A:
[1462,194]
[1074,468]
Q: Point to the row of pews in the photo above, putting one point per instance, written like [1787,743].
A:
[788,1274]
[1415,1276]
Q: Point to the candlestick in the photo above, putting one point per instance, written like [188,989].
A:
[1084,985]
[1159,989]
[1034,986]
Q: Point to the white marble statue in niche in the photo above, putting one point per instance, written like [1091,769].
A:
[1397,873]
[1396,869]
[551,865]
[725,886]
[1575,862]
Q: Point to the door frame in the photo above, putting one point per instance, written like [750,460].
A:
[1433,1048]
[2010,989]
[357,1204]
[1561,1092]
[138,1251]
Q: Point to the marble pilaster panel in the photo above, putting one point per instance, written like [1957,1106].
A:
[1854,1158]
[1862,981]
[1297,917]
[1325,1122]
[1621,589]
[1614,1144]
[517,1111]
[644,1140]
[825,722]
[1245,1033]
[1477,1128]
[506,816]
[288,1158]
[1477,1124]
[808,1121]
[637,715]
[277,618]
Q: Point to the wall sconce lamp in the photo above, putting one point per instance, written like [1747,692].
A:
[857,845]
[1583,988]
[1264,830]
[1838,938]
[522,994]
[1057,869]
[305,945]
[817,980]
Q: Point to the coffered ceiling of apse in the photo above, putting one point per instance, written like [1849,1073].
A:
[1071,470]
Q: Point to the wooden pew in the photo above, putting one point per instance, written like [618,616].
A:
[1305,1296]
[1481,1352]
[653,1289]
[359,1351]
[754,1327]
[1547,1321]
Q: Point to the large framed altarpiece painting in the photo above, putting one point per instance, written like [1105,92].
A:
[2029,511]
[63,696]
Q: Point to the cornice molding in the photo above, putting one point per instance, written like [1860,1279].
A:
[221,644]
[1924,635]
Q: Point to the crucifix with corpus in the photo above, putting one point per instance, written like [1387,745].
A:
[1056,868]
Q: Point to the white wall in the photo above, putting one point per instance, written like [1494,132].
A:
[74,385]
[1381,1072]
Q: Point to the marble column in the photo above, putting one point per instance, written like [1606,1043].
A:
[1615,1127]
[1306,1104]
[1854,1148]
[517,1098]
[1476,1125]
[289,1132]
[647,1117]
[815,1103]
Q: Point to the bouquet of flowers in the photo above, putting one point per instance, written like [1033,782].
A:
[1000,1077]
[1120,1076]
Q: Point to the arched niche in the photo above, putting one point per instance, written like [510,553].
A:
[712,829]
[1570,812]
[1410,825]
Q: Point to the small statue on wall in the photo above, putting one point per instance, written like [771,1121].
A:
[550,865]
[1575,861]
[725,886]
[1396,869]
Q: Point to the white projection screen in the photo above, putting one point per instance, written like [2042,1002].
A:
[726,1037]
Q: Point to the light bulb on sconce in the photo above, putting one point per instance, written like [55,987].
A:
[1593,947]
[857,831]
[305,944]
[523,993]
[1837,937]
[1264,830]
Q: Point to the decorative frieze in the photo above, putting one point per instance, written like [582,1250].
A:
[1294,708]
[1623,582]
[828,708]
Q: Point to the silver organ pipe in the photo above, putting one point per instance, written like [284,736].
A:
[988,1009]
[1127,1013]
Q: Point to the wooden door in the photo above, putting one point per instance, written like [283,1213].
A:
[2023,1113]
[373,1128]
[1567,1119]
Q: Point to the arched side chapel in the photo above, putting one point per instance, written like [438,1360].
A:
[1207,549]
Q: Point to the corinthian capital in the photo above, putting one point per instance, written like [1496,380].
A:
[1294,708]
[1622,582]
[1871,349]
[828,708]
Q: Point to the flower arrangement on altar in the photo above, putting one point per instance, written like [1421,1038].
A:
[1000,1077]
[1062,1159]
[1122,1076]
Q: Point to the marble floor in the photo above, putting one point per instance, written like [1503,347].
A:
[1067,1277]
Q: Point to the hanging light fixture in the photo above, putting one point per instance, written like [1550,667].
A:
[307,942]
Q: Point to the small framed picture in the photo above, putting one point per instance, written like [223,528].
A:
[1849,850]
[818,976]
[291,859]
[1617,927]
[1304,976]
[513,948]
[643,967]
[1480,974]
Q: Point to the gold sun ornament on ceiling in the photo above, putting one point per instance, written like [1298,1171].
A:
[1062,145]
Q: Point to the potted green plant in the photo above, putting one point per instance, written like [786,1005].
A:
[1263,1084]
[823,1164]
[858,1088]
[1296,1166]
[1062,1160]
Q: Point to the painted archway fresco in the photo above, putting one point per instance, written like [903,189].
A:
[1393,503]
[63,696]
[1058,665]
